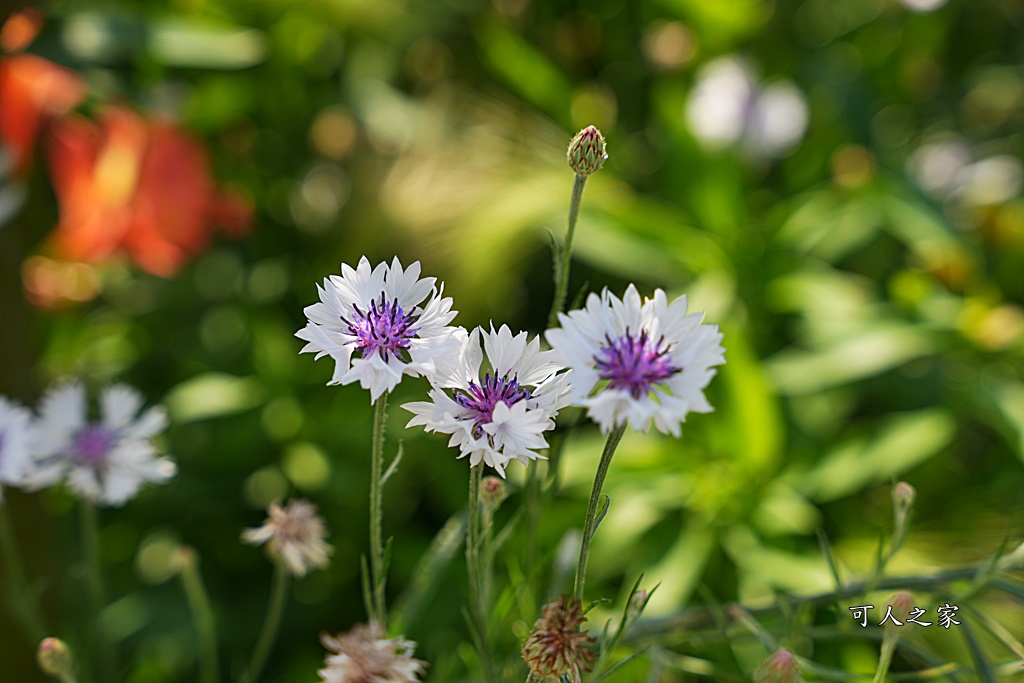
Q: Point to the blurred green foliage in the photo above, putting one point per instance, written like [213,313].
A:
[872,314]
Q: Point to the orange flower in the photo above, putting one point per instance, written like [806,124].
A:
[32,90]
[137,187]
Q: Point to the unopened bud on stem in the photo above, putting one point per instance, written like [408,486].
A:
[903,496]
[779,668]
[586,151]
[54,656]
[493,493]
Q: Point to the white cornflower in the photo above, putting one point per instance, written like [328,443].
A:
[364,655]
[379,324]
[651,359]
[295,535]
[728,105]
[500,416]
[17,436]
[106,461]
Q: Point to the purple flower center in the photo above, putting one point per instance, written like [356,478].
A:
[481,399]
[634,364]
[91,445]
[385,329]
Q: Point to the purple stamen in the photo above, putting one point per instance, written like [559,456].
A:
[481,399]
[634,364]
[91,445]
[385,329]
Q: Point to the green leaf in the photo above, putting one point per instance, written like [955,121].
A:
[865,354]
[903,441]
[1009,399]
[524,67]
[213,394]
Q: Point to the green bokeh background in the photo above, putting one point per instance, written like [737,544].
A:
[874,331]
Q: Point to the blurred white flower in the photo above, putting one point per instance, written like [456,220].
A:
[944,169]
[994,180]
[728,106]
[379,324]
[937,166]
[17,438]
[107,461]
[651,359]
[923,5]
[501,415]
[364,655]
[295,535]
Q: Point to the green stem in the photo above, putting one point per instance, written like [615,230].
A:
[595,497]
[885,658]
[692,620]
[562,269]
[19,593]
[531,497]
[202,615]
[271,623]
[377,578]
[473,568]
[90,530]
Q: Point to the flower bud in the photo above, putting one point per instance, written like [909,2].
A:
[903,496]
[637,603]
[586,151]
[902,603]
[779,668]
[899,605]
[184,558]
[493,492]
[54,656]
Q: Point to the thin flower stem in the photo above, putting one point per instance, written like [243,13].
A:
[19,593]
[271,623]
[377,578]
[885,659]
[202,615]
[595,497]
[532,503]
[478,605]
[562,269]
[486,578]
[90,530]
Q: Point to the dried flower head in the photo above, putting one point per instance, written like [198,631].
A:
[557,646]
[295,535]
[781,667]
[586,152]
[364,655]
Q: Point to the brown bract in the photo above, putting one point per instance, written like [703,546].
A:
[557,646]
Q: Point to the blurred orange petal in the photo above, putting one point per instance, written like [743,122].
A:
[138,187]
[32,90]
[21,29]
